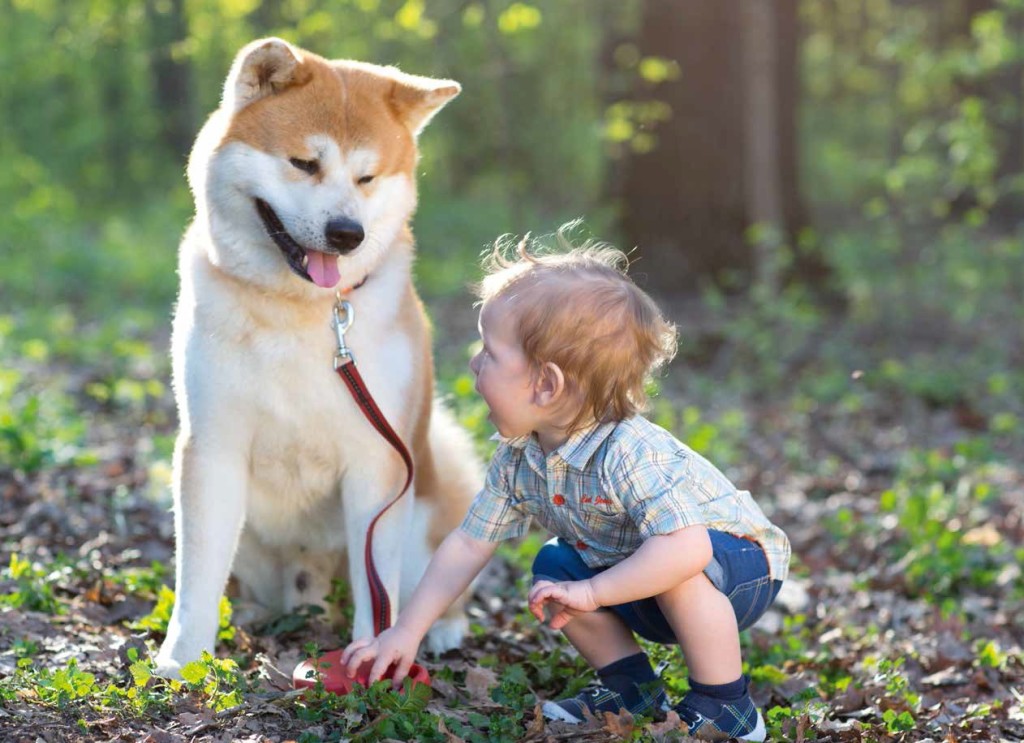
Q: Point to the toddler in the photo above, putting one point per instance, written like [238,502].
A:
[650,538]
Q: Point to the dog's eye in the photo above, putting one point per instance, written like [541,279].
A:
[306,166]
[365,179]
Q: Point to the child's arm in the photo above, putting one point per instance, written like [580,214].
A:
[662,562]
[457,561]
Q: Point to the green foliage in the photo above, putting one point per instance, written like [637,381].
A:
[943,540]
[217,683]
[470,410]
[147,582]
[721,441]
[219,679]
[37,428]
[401,716]
[292,621]
[65,685]
[33,588]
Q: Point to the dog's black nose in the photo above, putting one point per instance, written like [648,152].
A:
[344,235]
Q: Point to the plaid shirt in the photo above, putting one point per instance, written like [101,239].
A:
[609,487]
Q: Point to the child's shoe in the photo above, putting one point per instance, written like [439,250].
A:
[712,719]
[647,699]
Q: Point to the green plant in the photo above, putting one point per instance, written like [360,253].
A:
[219,679]
[65,685]
[37,428]
[33,586]
[940,504]
[142,581]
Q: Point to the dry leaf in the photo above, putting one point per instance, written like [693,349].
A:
[479,682]
[621,724]
[537,726]
[661,730]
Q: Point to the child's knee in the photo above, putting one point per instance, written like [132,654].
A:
[556,561]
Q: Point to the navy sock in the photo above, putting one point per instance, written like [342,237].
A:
[722,692]
[623,673]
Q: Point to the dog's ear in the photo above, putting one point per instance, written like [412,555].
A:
[416,99]
[262,68]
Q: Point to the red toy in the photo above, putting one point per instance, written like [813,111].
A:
[337,681]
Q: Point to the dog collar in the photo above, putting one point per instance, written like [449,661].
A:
[353,287]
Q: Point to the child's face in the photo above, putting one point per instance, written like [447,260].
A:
[503,375]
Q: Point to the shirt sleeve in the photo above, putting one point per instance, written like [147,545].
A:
[494,514]
[654,488]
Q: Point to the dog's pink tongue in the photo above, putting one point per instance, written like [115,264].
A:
[322,268]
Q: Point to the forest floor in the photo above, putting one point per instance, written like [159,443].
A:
[903,619]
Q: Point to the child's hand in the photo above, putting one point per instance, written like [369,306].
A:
[569,599]
[393,645]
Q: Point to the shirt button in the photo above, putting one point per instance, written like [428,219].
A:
[582,545]
[558,499]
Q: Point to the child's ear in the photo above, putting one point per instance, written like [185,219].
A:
[550,385]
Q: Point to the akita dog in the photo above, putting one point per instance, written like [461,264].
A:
[304,187]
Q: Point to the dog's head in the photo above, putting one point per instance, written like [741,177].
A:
[306,171]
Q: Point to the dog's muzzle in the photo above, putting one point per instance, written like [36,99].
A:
[343,235]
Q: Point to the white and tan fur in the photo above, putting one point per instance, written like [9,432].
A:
[276,471]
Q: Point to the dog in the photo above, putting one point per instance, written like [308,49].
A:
[304,188]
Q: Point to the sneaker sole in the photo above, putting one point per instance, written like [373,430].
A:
[759,733]
[552,711]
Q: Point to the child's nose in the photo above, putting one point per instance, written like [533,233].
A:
[473,362]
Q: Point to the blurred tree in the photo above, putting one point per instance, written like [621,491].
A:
[714,192]
[172,74]
[1002,87]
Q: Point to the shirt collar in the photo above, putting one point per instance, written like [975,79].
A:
[577,449]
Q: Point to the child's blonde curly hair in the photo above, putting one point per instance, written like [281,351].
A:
[575,306]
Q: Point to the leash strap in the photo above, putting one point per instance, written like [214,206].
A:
[345,366]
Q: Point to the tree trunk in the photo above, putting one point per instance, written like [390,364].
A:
[172,82]
[761,133]
[727,158]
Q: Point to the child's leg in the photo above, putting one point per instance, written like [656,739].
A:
[601,637]
[626,679]
[707,613]
[705,625]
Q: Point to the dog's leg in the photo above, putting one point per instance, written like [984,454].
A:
[447,632]
[210,487]
[258,567]
[362,501]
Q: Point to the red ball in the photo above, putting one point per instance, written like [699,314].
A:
[337,681]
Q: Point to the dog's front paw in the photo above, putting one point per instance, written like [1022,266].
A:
[166,667]
[446,634]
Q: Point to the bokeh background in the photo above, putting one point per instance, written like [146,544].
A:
[855,160]
[826,196]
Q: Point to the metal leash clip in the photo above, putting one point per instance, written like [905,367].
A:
[344,316]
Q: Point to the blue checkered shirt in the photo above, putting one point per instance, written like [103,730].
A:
[609,487]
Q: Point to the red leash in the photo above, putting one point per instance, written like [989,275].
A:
[331,672]
[345,366]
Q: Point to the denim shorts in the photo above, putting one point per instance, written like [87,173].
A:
[738,568]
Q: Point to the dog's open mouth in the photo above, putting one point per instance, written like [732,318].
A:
[312,265]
